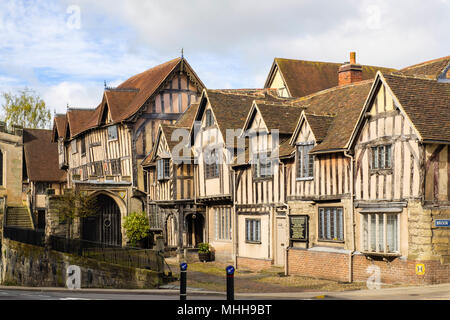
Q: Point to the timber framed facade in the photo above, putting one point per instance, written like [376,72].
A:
[102,149]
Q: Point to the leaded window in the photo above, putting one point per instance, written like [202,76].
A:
[112,133]
[223,223]
[163,169]
[262,165]
[380,232]
[211,165]
[253,230]
[331,224]
[381,157]
[305,161]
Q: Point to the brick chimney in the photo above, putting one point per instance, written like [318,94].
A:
[350,72]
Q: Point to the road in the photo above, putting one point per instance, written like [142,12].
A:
[431,292]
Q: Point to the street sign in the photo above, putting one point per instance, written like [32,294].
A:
[442,223]
[420,269]
[183,266]
[230,270]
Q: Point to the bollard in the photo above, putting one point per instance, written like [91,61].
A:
[230,282]
[183,268]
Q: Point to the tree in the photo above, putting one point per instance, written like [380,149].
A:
[25,108]
[74,205]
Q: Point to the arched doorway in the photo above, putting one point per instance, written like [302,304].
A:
[105,226]
[194,232]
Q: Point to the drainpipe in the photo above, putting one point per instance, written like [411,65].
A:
[352,213]
[235,229]
[286,248]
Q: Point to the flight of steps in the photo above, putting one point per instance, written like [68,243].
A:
[18,217]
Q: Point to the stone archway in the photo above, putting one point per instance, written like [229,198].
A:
[105,226]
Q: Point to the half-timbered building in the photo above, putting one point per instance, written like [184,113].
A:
[171,203]
[102,148]
[216,144]
[260,199]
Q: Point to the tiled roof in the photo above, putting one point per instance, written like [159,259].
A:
[80,120]
[319,125]
[186,119]
[426,102]
[430,69]
[60,125]
[41,156]
[306,77]
[125,100]
[231,109]
[279,116]
[345,104]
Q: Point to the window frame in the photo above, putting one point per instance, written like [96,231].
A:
[332,224]
[73,146]
[209,119]
[163,169]
[375,161]
[257,166]
[223,224]
[255,224]
[212,170]
[110,138]
[307,168]
[366,238]
[83,146]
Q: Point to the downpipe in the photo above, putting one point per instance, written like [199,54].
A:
[352,214]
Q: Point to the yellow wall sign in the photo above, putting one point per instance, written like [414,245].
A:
[420,269]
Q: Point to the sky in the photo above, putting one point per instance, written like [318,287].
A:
[65,50]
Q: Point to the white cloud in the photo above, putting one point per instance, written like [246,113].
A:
[228,43]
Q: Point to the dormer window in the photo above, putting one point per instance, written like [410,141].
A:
[262,165]
[209,120]
[73,145]
[83,146]
[211,165]
[163,169]
[112,133]
[305,161]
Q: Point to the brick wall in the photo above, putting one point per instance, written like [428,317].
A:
[253,264]
[334,266]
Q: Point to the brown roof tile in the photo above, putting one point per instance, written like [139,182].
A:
[80,120]
[41,156]
[280,116]
[431,69]
[319,125]
[426,102]
[345,104]
[306,77]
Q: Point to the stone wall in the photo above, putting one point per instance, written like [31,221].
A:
[28,265]
[425,241]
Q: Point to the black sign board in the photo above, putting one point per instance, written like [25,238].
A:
[298,228]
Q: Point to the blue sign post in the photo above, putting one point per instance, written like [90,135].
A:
[442,223]
[230,282]
[183,268]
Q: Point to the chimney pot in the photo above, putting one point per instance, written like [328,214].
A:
[352,57]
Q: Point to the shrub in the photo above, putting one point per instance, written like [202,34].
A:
[136,226]
[203,248]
